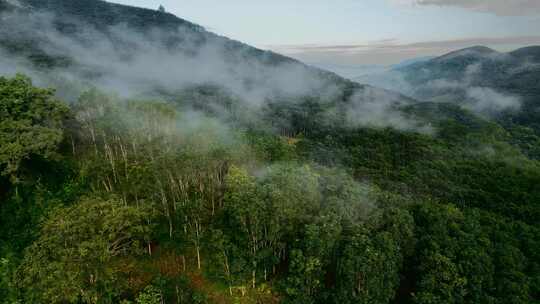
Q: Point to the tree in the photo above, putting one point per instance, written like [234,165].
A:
[78,254]
[247,212]
[150,295]
[310,260]
[7,289]
[161,9]
[31,124]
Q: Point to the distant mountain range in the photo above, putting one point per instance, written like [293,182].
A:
[505,85]
[411,61]
[350,71]
[357,71]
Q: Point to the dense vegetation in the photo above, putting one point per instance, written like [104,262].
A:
[195,195]
[109,200]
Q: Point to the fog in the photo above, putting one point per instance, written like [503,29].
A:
[131,63]
[135,63]
[471,89]
[378,108]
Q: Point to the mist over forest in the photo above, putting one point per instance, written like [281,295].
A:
[145,159]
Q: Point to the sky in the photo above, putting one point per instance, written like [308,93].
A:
[353,33]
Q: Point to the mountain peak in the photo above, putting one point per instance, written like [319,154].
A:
[531,53]
[475,51]
[479,49]
[102,13]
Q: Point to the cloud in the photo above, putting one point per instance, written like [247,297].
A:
[466,90]
[131,62]
[393,44]
[134,64]
[392,51]
[482,100]
[487,100]
[379,108]
[498,7]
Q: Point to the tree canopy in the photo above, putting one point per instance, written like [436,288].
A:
[31,124]
[114,200]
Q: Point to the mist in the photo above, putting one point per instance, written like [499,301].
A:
[378,108]
[133,63]
[469,88]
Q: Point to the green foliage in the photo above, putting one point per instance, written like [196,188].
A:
[372,258]
[460,258]
[34,175]
[8,292]
[150,295]
[78,254]
[153,204]
[31,124]
[199,200]
[272,148]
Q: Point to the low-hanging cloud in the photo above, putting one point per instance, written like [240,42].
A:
[467,89]
[482,100]
[487,100]
[134,63]
[379,108]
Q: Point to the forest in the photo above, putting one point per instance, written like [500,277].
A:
[115,200]
[146,160]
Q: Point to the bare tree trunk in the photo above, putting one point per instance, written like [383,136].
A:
[124,152]
[198,257]
[93,135]
[184,263]
[166,209]
[227,272]
[73,146]
[197,245]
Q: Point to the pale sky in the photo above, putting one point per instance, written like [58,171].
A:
[360,32]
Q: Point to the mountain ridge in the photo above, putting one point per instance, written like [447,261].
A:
[57,32]
[104,14]
[476,51]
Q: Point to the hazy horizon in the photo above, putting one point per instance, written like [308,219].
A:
[357,33]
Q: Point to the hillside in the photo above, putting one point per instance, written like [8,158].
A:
[167,164]
[478,66]
[145,53]
[531,53]
[54,32]
[503,86]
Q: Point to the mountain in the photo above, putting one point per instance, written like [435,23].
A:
[350,71]
[412,61]
[355,72]
[475,52]
[141,51]
[504,76]
[531,53]
[487,65]
[136,52]
[499,85]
